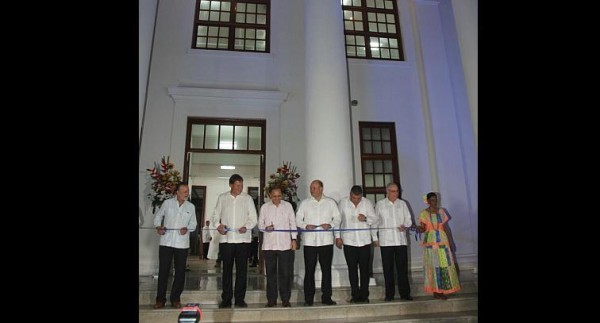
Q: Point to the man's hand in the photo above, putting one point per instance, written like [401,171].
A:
[221,228]
[183,230]
[376,243]
[270,228]
[310,227]
[242,230]
[362,218]
[294,245]
[326,226]
[339,243]
[402,228]
[160,230]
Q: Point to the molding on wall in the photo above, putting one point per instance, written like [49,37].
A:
[182,93]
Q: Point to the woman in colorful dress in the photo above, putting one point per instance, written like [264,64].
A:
[441,277]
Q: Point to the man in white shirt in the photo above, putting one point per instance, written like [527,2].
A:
[359,215]
[174,221]
[394,220]
[318,213]
[278,246]
[234,217]
[206,239]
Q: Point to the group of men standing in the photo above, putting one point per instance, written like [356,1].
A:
[353,224]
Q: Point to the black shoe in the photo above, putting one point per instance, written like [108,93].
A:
[389,299]
[241,304]
[271,303]
[225,304]
[406,298]
[286,304]
[328,302]
[308,303]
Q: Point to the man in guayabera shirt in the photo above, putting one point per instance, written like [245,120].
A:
[318,212]
[394,221]
[358,216]
[234,217]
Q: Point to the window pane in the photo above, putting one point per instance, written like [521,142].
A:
[213,31]
[241,7]
[389,18]
[371,197]
[395,54]
[388,4]
[350,50]
[372,27]
[360,40]
[385,134]
[356,3]
[223,43]
[251,7]
[358,25]
[387,147]
[376,133]
[387,166]
[214,16]
[261,45]
[239,33]
[239,18]
[388,178]
[349,40]
[348,25]
[202,30]
[238,44]
[255,138]
[366,134]
[203,15]
[261,34]
[367,147]
[224,32]
[249,44]
[385,53]
[371,3]
[251,33]
[204,5]
[368,166]
[378,166]
[197,140]
[377,147]
[211,42]
[379,182]
[261,8]
[225,16]
[226,138]
[212,132]
[215,5]
[378,3]
[201,42]
[251,19]
[226,6]
[241,138]
[361,51]
[261,19]
[369,180]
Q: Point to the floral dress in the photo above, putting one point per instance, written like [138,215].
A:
[438,259]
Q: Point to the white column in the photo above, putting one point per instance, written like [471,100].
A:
[328,133]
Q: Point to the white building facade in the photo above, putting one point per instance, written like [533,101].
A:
[303,88]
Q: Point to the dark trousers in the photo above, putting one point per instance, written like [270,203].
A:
[277,263]
[254,251]
[205,249]
[390,256]
[166,255]
[324,254]
[357,258]
[238,253]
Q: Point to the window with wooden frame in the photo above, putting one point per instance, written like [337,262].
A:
[379,158]
[232,25]
[372,29]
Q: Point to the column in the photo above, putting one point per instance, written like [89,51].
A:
[328,134]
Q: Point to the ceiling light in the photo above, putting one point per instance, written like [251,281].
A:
[227,167]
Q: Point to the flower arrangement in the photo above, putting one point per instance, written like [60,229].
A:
[165,179]
[285,177]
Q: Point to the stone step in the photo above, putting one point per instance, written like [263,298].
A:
[458,308]
[340,294]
